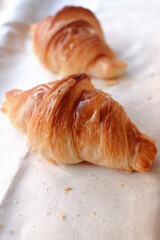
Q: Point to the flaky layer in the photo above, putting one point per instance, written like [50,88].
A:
[72,42]
[71,12]
[69,121]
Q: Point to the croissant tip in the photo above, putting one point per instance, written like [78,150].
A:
[32,27]
[10,97]
[4,107]
[143,164]
[146,154]
[106,68]
[117,68]
[116,63]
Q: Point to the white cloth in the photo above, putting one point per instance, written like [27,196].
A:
[32,197]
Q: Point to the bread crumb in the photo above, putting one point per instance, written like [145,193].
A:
[77,215]
[149,98]
[152,74]
[62,217]
[16,201]
[1,226]
[121,185]
[93,213]
[115,199]
[117,206]
[67,189]
[82,192]
[47,188]
[66,193]
[91,175]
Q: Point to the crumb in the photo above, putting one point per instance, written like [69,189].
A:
[121,185]
[67,189]
[119,230]
[1,226]
[117,206]
[44,183]
[47,188]
[11,231]
[16,201]
[66,193]
[93,213]
[62,217]
[48,213]
[77,215]
[127,226]
[149,98]
[115,199]
[152,74]
[83,192]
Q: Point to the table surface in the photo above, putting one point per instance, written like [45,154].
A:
[32,197]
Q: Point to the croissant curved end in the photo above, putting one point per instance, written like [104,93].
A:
[10,97]
[32,28]
[104,68]
[146,154]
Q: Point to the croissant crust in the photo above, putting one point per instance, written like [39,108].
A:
[69,121]
[72,41]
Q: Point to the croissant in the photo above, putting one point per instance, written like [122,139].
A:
[72,41]
[69,121]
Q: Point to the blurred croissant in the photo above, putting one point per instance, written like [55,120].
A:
[72,41]
[69,121]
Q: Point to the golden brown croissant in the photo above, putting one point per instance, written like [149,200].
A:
[69,121]
[72,41]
